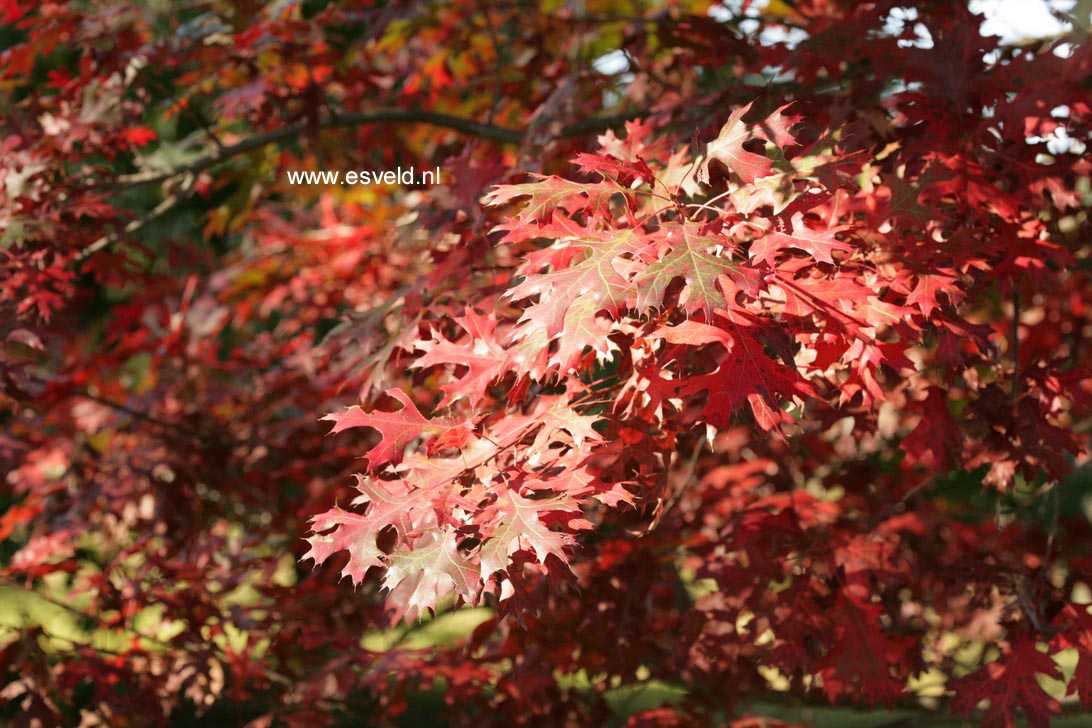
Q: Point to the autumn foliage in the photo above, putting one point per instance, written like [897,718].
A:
[739,359]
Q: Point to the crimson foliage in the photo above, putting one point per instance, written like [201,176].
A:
[739,357]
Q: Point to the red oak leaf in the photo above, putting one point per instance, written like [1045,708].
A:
[554,193]
[819,244]
[399,428]
[1009,684]
[626,174]
[341,530]
[480,354]
[696,259]
[418,579]
[138,136]
[728,147]
[747,375]
[514,520]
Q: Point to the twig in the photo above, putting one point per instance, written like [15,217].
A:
[1014,336]
[1055,514]
[158,212]
[151,419]
[1041,43]
[498,80]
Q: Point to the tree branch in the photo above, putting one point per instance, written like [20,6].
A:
[159,211]
[176,427]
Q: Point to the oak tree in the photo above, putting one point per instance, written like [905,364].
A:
[738,358]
